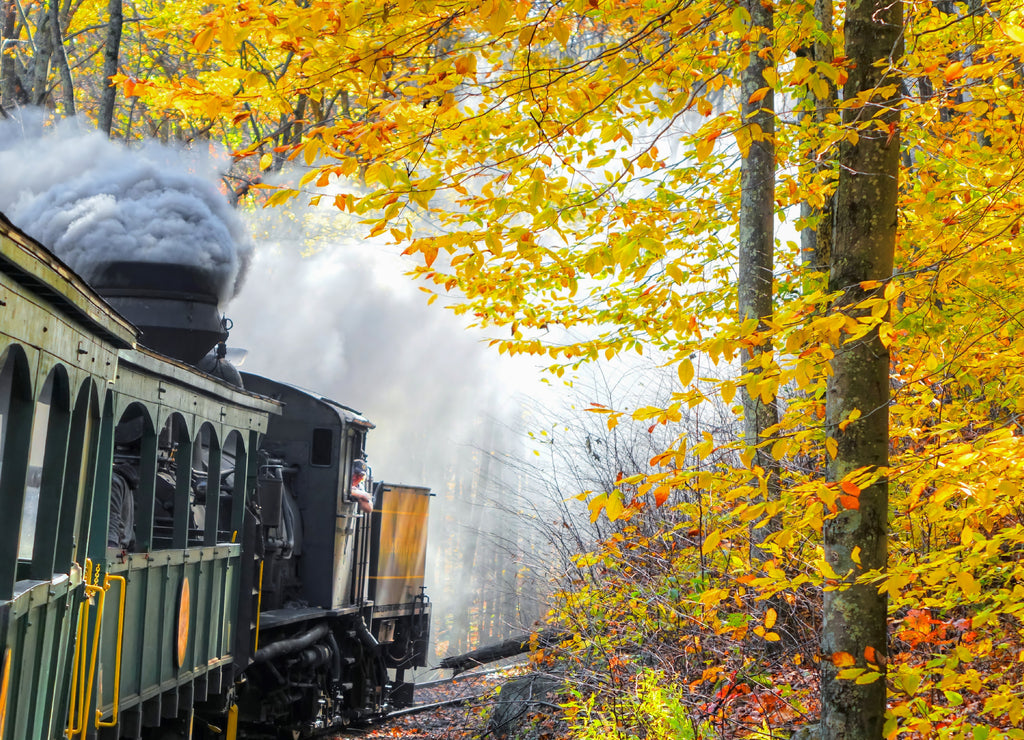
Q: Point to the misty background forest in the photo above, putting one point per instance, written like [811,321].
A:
[700,319]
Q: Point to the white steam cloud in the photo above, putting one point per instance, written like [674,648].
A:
[325,310]
[93,201]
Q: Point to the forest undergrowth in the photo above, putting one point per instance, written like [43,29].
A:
[671,638]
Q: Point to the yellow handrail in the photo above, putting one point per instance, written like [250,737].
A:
[5,684]
[100,596]
[259,605]
[76,663]
[107,582]
[81,679]
[232,730]
[73,698]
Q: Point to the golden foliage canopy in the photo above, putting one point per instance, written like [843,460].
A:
[574,165]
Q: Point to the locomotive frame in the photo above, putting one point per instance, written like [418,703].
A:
[208,626]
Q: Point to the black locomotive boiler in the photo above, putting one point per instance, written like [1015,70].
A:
[182,554]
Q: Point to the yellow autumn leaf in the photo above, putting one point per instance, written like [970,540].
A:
[202,40]
[758,95]
[852,417]
[613,506]
[685,371]
[704,148]
[967,583]
[1014,33]
[967,536]
[466,64]
[711,542]
[744,138]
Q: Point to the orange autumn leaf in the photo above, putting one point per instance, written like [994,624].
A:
[843,660]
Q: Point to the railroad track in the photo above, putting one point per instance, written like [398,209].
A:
[416,709]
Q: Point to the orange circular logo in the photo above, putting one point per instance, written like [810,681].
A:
[184,609]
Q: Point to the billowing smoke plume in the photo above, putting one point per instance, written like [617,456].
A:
[93,201]
[331,312]
[325,308]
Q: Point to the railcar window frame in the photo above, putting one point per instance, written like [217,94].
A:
[319,448]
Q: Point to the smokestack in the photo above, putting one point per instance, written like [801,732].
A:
[95,203]
[174,305]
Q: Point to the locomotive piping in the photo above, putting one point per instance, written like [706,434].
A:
[335,656]
[290,645]
[371,644]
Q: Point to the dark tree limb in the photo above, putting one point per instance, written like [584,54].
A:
[506,649]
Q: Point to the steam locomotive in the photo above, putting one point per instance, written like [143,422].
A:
[182,554]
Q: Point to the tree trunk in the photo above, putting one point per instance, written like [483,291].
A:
[66,84]
[111,54]
[7,68]
[863,250]
[41,60]
[816,242]
[757,234]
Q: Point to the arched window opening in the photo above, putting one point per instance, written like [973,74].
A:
[174,523]
[15,433]
[36,454]
[234,471]
[99,513]
[208,472]
[48,450]
[79,479]
[130,521]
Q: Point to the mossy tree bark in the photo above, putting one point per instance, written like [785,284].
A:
[863,250]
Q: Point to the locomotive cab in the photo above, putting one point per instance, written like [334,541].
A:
[324,646]
[310,448]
